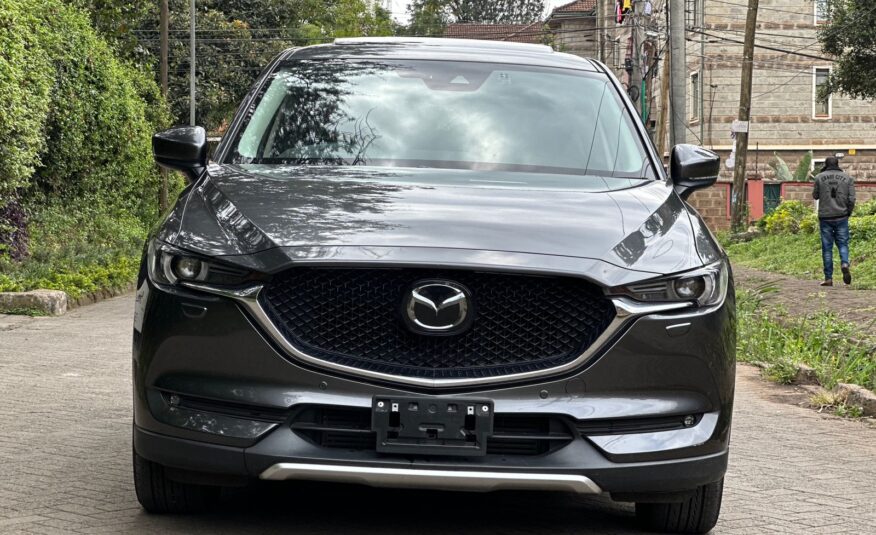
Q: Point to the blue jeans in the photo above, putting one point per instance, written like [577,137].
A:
[834,231]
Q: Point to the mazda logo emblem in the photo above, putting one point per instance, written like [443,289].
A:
[437,307]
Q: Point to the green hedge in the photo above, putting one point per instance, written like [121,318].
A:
[76,170]
[75,120]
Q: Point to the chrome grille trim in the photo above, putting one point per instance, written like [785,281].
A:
[626,312]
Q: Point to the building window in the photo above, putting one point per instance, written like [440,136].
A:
[695,96]
[821,106]
[822,11]
[692,13]
[616,54]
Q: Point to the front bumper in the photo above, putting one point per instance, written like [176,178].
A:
[580,469]
[193,345]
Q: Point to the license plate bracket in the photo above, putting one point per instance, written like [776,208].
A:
[432,426]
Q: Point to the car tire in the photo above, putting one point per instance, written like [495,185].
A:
[698,514]
[159,494]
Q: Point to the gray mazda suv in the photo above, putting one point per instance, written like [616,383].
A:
[438,264]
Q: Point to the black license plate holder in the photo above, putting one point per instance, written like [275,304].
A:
[432,426]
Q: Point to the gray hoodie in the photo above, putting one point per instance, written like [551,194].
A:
[835,192]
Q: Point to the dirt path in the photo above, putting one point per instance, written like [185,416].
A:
[802,297]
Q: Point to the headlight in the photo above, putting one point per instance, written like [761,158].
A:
[705,286]
[169,265]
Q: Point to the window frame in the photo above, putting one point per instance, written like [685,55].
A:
[826,18]
[815,101]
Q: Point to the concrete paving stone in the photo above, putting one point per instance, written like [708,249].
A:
[66,392]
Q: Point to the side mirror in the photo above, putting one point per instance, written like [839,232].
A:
[692,168]
[182,148]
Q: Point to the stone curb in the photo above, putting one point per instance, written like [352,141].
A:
[858,396]
[95,297]
[46,302]
[850,394]
[55,302]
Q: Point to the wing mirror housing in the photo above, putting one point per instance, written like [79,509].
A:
[692,168]
[182,148]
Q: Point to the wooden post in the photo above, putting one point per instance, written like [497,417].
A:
[737,220]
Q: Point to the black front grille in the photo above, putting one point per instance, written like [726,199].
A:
[350,428]
[353,317]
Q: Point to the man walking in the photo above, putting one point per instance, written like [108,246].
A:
[835,192]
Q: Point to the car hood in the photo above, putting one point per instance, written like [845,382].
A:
[320,212]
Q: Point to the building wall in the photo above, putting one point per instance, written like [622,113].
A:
[713,204]
[782,90]
[576,36]
[797,191]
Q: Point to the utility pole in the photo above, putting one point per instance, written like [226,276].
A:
[163,36]
[677,73]
[664,106]
[192,65]
[738,207]
[636,75]
[600,34]
[702,77]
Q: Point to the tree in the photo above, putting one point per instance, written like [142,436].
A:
[850,36]
[429,17]
[235,41]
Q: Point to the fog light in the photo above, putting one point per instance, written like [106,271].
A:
[187,268]
[691,288]
[689,420]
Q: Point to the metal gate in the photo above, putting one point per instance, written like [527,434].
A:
[772,196]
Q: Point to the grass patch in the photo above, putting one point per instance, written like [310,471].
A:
[821,341]
[800,255]
[24,311]
[77,249]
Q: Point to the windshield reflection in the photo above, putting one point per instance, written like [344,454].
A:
[441,114]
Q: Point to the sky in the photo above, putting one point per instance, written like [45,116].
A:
[399,8]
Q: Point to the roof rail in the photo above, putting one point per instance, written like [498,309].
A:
[443,41]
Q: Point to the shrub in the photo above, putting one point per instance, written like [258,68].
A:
[76,122]
[788,217]
[863,228]
[865,208]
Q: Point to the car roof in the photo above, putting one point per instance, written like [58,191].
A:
[437,48]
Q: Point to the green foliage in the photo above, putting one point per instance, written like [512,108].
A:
[800,255]
[788,218]
[780,169]
[81,247]
[863,228]
[430,17]
[238,39]
[74,148]
[80,122]
[782,172]
[865,208]
[26,88]
[803,171]
[822,342]
[850,37]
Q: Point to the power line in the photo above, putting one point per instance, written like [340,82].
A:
[765,47]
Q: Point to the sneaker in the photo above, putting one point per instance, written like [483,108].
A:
[826,282]
[847,275]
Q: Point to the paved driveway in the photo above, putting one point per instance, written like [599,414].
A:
[65,412]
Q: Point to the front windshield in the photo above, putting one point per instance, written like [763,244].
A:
[441,114]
